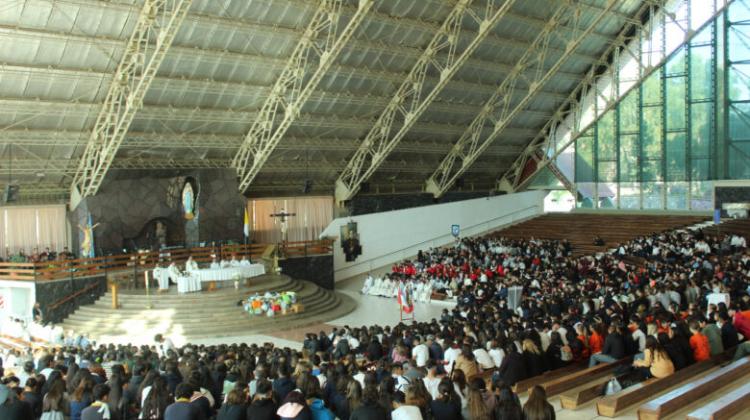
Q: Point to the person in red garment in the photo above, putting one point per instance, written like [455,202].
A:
[699,343]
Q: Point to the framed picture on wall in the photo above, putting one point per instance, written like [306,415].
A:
[350,241]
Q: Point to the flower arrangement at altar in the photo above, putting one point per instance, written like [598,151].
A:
[271,303]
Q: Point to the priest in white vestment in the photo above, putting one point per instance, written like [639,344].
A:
[191,265]
[368,285]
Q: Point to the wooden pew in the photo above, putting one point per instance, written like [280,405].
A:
[527,384]
[610,405]
[576,379]
[576,397]
[724,407]
[684,395]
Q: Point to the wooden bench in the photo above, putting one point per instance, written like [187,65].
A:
[684,395]
[576,379]
[527,384]
[576,397]
[610,405]
[724,407]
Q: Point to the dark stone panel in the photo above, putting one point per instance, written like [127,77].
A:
[128,204]
[315,268]
[730,195]
[51,292]
[366,204]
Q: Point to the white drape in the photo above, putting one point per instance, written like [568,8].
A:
[312,215]
[25,228]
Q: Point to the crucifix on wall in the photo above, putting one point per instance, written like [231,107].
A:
[284,223]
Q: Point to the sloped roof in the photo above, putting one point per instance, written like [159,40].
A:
[57,59]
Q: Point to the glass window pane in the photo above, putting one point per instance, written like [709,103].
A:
[739,79]
[585,160]
[653,195]
[607,195]
[676,63]
[651,133]
[629,113]
[630,195]
[700,73]
[701,116]
[629,167]
[675,110]
[700,169]
[739,121]
[652,89]
[739,160]
[701,196]
[676,157]
[652,170]
[607,171]
[606,144]
[677,193]
[585,193]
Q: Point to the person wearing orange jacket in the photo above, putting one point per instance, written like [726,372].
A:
[699,343]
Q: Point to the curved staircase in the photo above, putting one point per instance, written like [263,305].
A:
[204,315]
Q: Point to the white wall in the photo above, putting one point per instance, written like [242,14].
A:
[391,236]
[18,297]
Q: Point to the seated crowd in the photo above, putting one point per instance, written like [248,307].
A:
[462,366]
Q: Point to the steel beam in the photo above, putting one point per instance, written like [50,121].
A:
[212,115]
[275,64]
[172,141]
[413,97]
[218,87]
[208,22]
[578,114]
[158,22]
[33,165]
[498,111]
[295,85]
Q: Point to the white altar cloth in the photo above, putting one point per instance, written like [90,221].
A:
[192,280]
[229,273]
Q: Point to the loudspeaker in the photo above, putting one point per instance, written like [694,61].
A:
[307,188]
[10,194]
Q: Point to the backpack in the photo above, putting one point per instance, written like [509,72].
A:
[566,354]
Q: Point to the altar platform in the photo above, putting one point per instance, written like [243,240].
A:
[204,314]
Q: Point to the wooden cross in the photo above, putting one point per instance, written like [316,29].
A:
[283,215]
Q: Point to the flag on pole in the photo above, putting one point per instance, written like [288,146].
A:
[246,226]
[404,298]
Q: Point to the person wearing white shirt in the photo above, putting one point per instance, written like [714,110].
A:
[420,353]
[450,355]
[224,264]
[497,354]
[560,329]
[738,241]
[368,284]
[190,264]
[234,262]
[544,336]
[483,358]
[215,265]
[404,412]
[244,262]
[432,381]
[402,383]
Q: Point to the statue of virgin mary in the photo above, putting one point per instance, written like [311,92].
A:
[188,201]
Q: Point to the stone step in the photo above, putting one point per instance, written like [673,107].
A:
[332,308]
[228,308]
[320,306]
[138,295]
[212,298]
